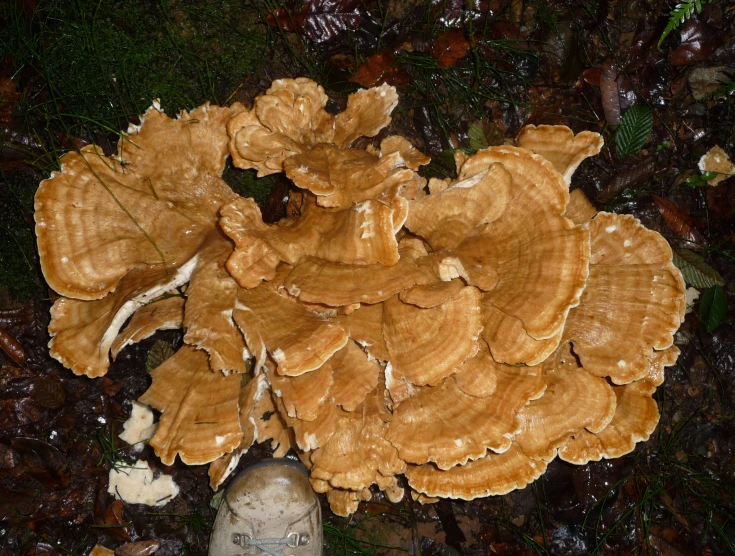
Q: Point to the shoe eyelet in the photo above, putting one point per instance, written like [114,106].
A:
[295,540]
[237,538]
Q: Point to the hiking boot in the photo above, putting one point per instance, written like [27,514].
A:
[269,509]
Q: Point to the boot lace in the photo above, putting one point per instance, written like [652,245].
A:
[272,547]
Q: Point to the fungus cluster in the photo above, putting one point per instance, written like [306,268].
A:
[461,332]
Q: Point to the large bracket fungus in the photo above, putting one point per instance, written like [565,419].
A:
[462,332]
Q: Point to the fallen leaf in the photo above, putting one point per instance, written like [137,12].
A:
[12,348]
[48,392]
[380,68]
[114,524]
[592,76]
[695,271]
[681,224]
[140,548]
[483,134]
[634,130]
[320,20]
[713,308]
[699,40]
[450,47]
[160,351]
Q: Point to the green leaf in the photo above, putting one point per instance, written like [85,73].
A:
[634,130]
[680,14]
[713,308]
[477,139]
[701,180]
[695,271]
[160,351]
[483,134]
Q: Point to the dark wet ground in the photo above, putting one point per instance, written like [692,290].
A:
[536,63]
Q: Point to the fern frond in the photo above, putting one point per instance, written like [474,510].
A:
[680,14]
[635,127]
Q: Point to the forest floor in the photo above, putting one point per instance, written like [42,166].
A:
[470,73]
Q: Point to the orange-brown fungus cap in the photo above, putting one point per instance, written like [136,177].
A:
[125,229]
[494,474]
[431,295]
[341,177]
[365,326]
[354,376]
[358,451]
[151,204]
[345,502]
[448,265]
[368,111]
[444,425]
[164,313]
[221,468]
[199,409]
[412,157]
[508,340]
[303,395]
[541,258]
[298,340]
[633,302]
[478,376]
[290,119]
[658,360]
[362,234]
[539,278]
[573,400]
[210,301]
[445,219]
[426,345]
[580,209]
[635,419]
[270,425]
[310,435]
[559,145]
[83,332]
[318,281]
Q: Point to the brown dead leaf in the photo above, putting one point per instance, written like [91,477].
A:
[12,348]
[114,523]
[140,548]
[381,68]
[680,223]
[699,41]
[592,76]
[320,20]
[450,47]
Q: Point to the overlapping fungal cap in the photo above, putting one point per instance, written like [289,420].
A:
[461,332]
[633,303]
[116,232]
[290,119]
